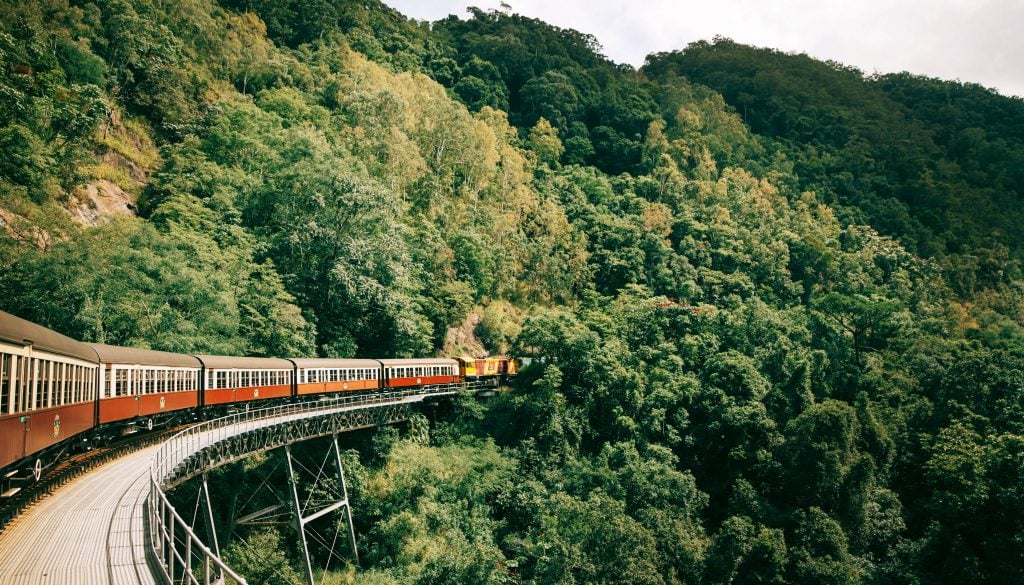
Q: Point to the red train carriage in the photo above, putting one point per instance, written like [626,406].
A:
[144,383]
[317,376]
[242,379]
[420,372]
[47,389]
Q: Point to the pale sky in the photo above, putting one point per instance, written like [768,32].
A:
[980,41]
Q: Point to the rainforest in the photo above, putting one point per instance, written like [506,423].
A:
[771,309]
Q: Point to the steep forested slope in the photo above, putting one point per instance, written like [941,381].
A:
[936,164]
[781,325]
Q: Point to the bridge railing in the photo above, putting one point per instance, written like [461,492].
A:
[175,545]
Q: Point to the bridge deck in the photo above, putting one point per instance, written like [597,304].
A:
[91,530]
[87,532]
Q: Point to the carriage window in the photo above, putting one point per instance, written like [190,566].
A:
[46,386]
[67,383]
[42,384]
[21,383]
[53,392]
[6,369]
[56,385]
[70,394]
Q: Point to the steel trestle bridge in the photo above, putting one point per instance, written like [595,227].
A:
[128,519]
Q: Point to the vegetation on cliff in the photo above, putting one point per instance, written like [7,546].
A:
[779,304]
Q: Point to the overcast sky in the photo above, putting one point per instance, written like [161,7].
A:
[980,41]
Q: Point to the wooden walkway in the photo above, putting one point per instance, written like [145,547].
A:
[87,532]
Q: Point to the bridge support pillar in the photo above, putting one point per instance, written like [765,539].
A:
[340,501]
[211,526]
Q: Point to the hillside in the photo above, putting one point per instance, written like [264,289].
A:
[780,304]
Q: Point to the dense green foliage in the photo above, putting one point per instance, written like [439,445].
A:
[775,307]
[936,164]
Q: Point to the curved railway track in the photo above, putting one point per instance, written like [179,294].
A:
[71,467]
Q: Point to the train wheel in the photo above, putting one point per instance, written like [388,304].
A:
[149,424]
[37,469]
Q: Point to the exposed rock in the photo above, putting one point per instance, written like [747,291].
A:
[462,339]
[98,200]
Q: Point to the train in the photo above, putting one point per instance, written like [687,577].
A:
[57,393]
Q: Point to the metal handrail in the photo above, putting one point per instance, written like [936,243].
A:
[164,522]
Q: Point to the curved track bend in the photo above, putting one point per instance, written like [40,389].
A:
[86,532]
[91,530]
